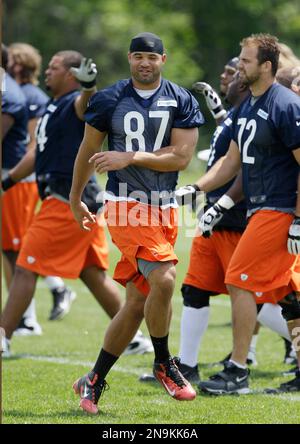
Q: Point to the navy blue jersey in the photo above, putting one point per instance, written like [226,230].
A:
[36,100]
[234,219]
[14,104]
[267,131]
[137,124]
[59,135]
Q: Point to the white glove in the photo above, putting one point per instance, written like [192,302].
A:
[86,74]
[187,195]
[293,243]
[213,101]
[214,214]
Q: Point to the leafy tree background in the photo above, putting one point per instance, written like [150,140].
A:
[199,35]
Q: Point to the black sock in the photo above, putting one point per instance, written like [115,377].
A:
[104,363]
[161,349]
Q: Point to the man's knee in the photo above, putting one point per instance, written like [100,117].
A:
[163,276]
[194,297]
[290,307]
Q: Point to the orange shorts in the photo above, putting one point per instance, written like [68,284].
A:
[18,206]
[140,231]
[261,262]
[209,259]
[55,245]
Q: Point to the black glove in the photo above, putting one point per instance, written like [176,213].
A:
[187,195]
[293,243]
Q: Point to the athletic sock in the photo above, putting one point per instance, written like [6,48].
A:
[104,363]
[161,348]
[237,364]
[30,311]
[54,283]
[194,322]
[270,316]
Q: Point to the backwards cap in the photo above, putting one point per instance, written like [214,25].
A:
[146,42]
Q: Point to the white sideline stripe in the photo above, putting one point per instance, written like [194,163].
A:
[66,361]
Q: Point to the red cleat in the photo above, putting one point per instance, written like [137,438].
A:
[172,380]
[89,391]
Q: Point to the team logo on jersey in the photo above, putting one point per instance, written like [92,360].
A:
[263,114]
[298,122]
[167,103]
[30,259]
[51,108]
[228,121]
[244,277]
[258,294]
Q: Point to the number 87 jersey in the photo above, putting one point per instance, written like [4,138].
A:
[267,130]
[136,123]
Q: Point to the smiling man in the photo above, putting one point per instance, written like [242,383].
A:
[152,131]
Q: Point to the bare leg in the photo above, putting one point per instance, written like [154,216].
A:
[125,324]
[103,288]
[9,263]
[243,322]
[158,309]
[20,295]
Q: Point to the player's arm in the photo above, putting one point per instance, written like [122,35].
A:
[23,169]
[31,132]
[293,243]
[86,75]
[7,122]
[83,169]
[225,169]
[175,157]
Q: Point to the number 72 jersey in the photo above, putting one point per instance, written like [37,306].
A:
[134,123]
[267,130]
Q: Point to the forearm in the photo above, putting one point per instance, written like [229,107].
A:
[24,168]
[235,192]
[166,159]
[82,172]
[220,174]
[297,210]
[82,101]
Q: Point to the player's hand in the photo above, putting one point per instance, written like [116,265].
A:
[82,215]
[293,243]
[214,214]
[86,73]
[213,101]
[187,195]
[110,160]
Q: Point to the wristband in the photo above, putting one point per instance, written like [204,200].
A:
[226,202]
[7,183]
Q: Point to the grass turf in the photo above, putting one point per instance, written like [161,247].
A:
[37,381]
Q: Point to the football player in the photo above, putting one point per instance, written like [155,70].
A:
[24,65]
[266,144]
[152,127]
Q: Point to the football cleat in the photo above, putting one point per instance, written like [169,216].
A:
[189,373]
[5,347]
[290,372]
[89,390]
[168,374]
[28,327]
[62,301]
[287,387]
[139,345]
[229,381]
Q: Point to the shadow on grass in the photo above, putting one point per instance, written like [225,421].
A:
[71,413]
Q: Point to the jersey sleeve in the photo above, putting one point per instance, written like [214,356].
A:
[289,125]
[11,107]
[188,113]
[98,112]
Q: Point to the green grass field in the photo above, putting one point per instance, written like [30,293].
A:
[37,381]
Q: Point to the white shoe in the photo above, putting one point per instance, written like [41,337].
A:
[139,345]
[5,347]
[28,327]
[251,358]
